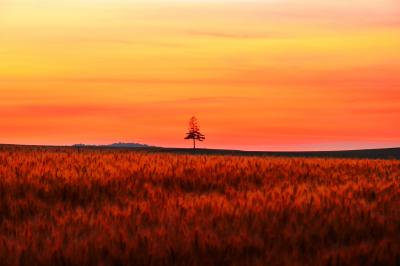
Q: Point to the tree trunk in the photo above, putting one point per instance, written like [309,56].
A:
[194,144]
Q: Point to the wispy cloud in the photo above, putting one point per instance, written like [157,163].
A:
[69,110]
[143,108]
[233,35]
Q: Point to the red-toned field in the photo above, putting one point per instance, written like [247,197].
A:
[67,206]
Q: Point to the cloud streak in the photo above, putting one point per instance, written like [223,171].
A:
[232,35]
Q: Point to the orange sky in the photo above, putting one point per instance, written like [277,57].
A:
[259,75]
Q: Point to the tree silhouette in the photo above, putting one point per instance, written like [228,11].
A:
[194,131]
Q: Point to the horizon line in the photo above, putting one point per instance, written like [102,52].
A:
[148,146]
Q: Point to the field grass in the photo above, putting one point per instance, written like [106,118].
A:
[66,206]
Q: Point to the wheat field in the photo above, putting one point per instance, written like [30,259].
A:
[68,206]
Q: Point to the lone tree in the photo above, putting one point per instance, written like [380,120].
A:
[194,131]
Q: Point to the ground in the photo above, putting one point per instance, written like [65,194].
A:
[87,206]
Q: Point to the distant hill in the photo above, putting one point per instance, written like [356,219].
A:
[128,145]
[116,145]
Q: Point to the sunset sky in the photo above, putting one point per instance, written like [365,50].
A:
[259,75]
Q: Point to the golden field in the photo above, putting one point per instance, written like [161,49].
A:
[70,206]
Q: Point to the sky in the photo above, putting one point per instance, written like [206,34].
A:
[259,75]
